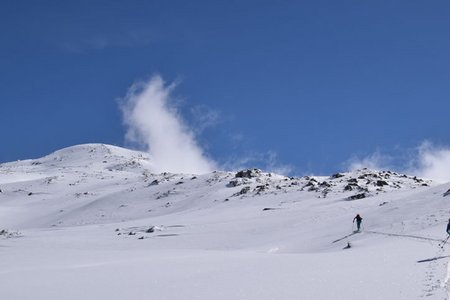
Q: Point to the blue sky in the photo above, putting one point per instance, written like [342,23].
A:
[309,85]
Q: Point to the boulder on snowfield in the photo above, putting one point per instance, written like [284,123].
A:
[357,196]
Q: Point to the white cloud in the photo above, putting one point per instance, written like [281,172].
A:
[204,118]
[267,161]
[375,161]
[157,126]
[124,39]
[433,162]
[427,161]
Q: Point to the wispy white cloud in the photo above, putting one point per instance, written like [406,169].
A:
[432,162]
[374,161]
[155,124]
[129,39]
[427,160]
[267,161]
[275,166]
[204,117]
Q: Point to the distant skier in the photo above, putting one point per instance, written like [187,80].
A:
[359,220]
[448,227]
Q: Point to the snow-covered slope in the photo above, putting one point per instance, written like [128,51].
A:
[92,221]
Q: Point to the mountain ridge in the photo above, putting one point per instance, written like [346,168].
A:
[98,208]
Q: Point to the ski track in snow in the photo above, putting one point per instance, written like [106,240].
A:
[437,265]
[446,282]
[432,283]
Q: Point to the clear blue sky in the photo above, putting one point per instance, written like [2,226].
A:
[316,82]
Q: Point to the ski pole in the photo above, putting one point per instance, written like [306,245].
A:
[444,242]
[441,244]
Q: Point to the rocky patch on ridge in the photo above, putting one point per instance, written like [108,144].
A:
[353,185]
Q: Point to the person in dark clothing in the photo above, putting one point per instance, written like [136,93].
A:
[448,226]
[358,221]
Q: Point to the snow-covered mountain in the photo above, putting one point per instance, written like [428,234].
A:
[93,222]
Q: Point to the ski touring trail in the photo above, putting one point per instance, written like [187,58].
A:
[446,282]
[347,236]
[405,236]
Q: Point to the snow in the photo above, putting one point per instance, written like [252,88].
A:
[93,222]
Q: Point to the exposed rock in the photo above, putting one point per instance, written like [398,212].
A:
[261,188]
[324,184]
[325,192]
[154,182]
[381,183]
[248,173]
[313,189]
[357,196]
[233,183]
[243,191]
[8,234]
[417,179]
[311,183]
[349,187]
[337,175]
[310,179]
[447,193]
[238,182]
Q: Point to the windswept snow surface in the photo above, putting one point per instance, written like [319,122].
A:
[93,222]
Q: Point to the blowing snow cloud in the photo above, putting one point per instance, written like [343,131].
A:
[427,161]
[434,162]
[157,126]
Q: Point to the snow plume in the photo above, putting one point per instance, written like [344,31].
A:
[157,126]
[427,161]
[433,162]
[267,161]
[375,161]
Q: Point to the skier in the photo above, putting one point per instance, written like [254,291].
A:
[359,220]
[442,244]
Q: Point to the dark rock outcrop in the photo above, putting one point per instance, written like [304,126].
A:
[243,191]
[248,173]
[381,183]
[357,196]
[336,176]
